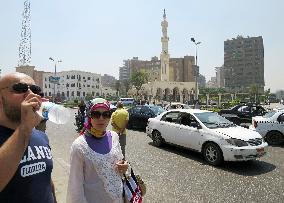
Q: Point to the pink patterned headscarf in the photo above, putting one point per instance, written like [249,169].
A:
[93,105]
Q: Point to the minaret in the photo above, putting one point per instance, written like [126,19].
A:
[165,57]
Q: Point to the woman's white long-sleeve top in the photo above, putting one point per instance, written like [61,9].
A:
[93,177]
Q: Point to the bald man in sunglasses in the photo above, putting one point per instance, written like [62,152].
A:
[25,155]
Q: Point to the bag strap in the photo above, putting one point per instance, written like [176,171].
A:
[128,184]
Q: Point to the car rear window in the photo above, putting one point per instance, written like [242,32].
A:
[269,114]
[157,109]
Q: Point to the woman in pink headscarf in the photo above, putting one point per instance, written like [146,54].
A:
[96,163]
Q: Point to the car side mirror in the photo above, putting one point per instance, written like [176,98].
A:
[195,125]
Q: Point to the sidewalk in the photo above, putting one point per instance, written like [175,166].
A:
[60,178]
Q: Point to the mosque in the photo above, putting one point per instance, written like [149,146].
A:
[175,79]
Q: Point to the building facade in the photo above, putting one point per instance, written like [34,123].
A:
[124,71]
[244,64]
[108,80]
[72,85]
[33,73]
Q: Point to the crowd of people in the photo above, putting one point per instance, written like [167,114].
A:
[97,157]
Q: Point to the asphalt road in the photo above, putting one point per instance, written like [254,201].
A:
[178,175]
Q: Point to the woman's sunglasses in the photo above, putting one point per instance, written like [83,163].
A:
[20,88]
[98,114]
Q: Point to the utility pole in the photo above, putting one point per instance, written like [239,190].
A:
[54,82]
[196,72]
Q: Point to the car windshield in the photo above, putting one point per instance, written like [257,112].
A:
[269,114]
[185,106]
[157,109]
[213,120]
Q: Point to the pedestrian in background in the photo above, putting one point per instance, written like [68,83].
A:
[25,155]
[119,121]
[96,160]
[197,105]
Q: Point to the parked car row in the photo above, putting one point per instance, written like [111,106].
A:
[139,115]
[270,126]
[243,113]
[214,136]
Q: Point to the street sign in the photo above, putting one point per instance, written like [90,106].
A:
[54,79]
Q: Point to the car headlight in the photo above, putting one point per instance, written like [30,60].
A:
[237,142]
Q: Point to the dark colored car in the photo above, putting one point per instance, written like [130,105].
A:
[139,115]
[243,113]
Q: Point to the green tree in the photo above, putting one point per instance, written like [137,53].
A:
[138,79]
[253,90]
[267,93]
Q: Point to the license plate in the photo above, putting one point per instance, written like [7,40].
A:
[260,151]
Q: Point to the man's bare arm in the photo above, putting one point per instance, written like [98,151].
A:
[11,153]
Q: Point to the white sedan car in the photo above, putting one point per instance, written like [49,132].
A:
[207,132]
[270,126]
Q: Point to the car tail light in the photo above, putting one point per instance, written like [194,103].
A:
[254,123]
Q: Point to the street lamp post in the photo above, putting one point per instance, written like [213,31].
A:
[196,74]
[54,82]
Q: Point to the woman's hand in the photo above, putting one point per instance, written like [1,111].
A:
[122,166]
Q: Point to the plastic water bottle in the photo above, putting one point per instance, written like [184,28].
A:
[55,113]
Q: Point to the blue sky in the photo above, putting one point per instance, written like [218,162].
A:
[97,36]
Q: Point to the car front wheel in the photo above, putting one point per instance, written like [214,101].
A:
[274,138]
[157,138]
[212,154]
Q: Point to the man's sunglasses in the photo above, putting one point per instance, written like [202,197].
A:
[98,114]
[23,88]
